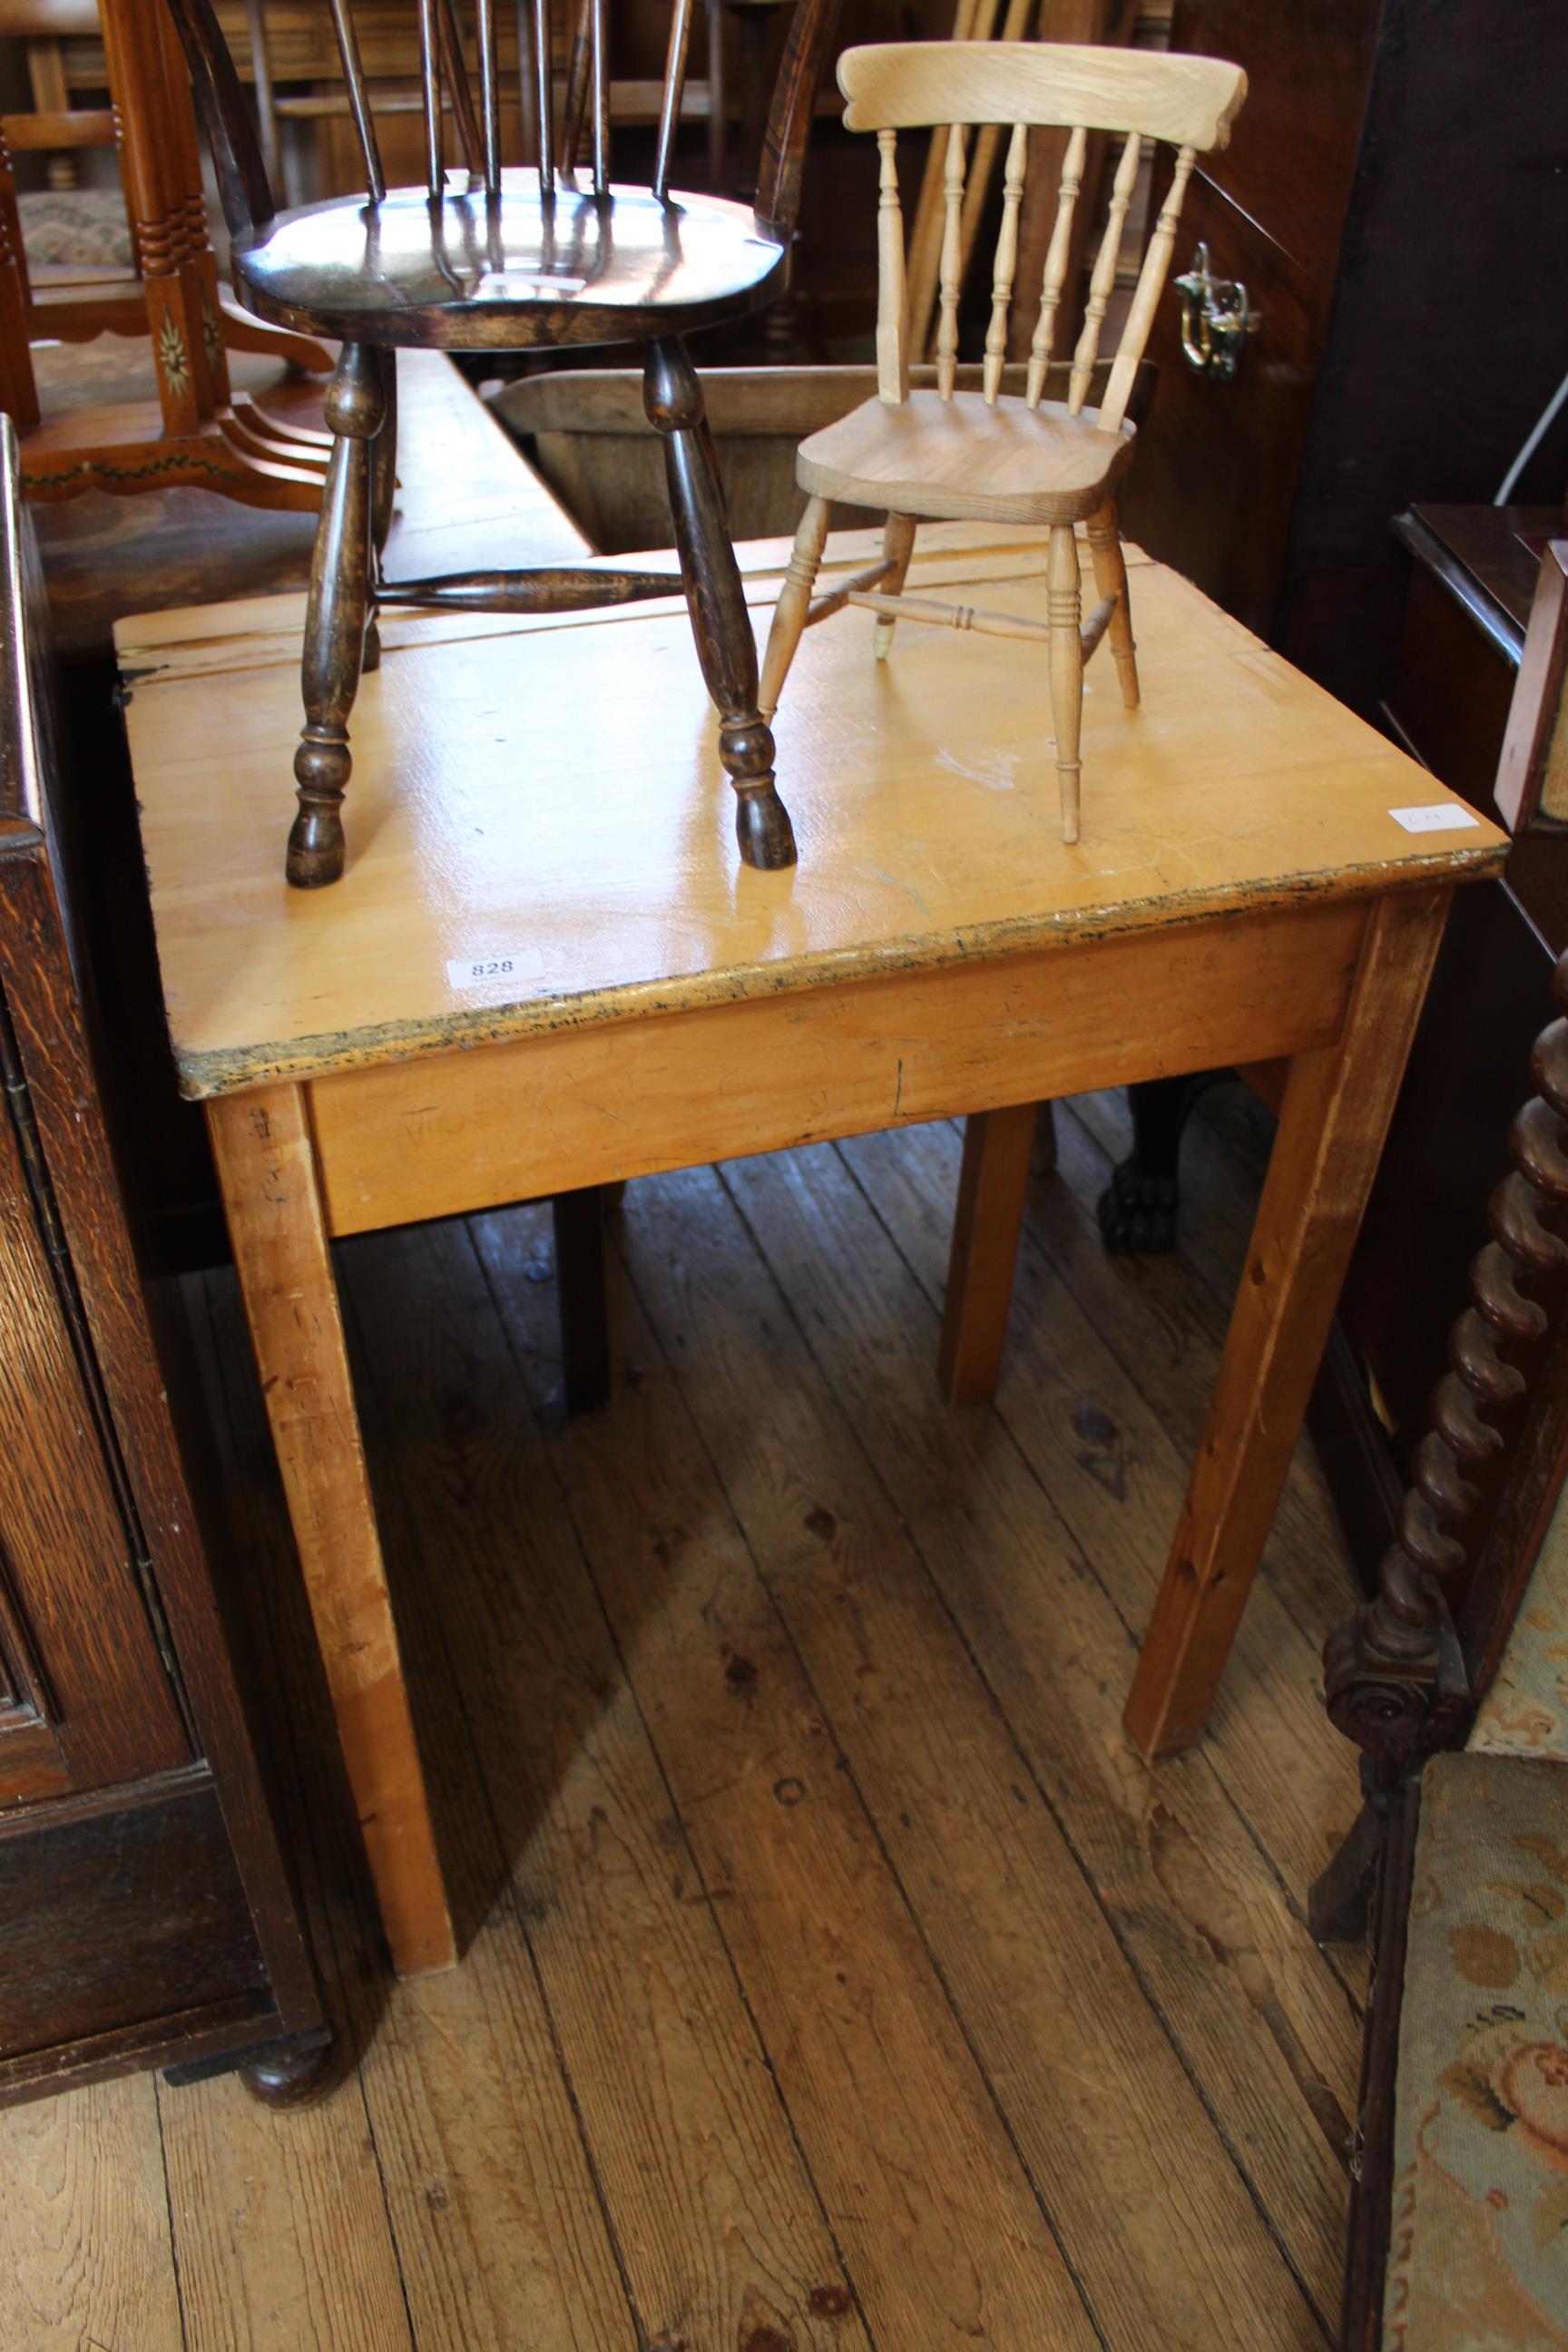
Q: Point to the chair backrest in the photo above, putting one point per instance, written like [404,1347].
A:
[906,85]
[557,124]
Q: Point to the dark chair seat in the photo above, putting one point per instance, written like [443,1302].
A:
[469,275]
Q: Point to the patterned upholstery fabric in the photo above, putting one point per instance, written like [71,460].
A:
[1525,1712]
[1478,2256]
[76,228]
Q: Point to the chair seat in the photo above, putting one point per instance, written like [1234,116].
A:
[963,460]
[463,274]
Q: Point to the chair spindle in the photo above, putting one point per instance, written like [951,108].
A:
[674,88]
[892,309]
[1104,276]
[1145,298]
[577,68]
[1056,269]
[952,263]
[601,98]
[490,93]
[431,80]
[544,99]
[455,77]
[1006,261]
[359,100]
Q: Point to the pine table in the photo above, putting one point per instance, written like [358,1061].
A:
[544,968]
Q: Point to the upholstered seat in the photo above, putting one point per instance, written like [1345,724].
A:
[511,275]
[967,459]
[1478,2249]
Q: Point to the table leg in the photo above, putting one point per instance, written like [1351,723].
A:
[1337,1106]
[993,1184]
[579,1222]
[267,1165]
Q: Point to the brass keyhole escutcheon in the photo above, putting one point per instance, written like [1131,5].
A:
[1217,319]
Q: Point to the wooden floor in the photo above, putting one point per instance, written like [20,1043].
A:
[838,1979]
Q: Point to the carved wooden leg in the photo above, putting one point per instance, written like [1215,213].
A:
[1065,606]
[1388,1671]
[277,1222]
[720,621]
[992,1185]
[1110,580]
[1137,1210]
[335,621]
[1338,1101]
[795,603]
[897,546]
[383,491]
[579,1222]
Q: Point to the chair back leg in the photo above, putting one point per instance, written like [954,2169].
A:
[898,547]
[335,620]
[1110,581]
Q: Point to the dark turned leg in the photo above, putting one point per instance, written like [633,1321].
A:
[1137,1210]
[334,621]
[583,1307]
[720,621]
[383,489]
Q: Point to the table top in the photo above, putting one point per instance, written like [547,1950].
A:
[540,834]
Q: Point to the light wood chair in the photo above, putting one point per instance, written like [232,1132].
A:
[483,259]
[947,455]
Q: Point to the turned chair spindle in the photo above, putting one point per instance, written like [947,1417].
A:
[487,257]
[951,456]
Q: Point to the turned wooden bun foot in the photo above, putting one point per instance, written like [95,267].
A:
[316,845]
[289,2077]
[761,822]
[764,830]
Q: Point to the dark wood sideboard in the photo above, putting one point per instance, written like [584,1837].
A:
[145,1913]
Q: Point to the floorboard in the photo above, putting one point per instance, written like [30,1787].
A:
[836,1979]
[86,2250]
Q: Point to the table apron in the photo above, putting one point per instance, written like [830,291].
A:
[456,1131]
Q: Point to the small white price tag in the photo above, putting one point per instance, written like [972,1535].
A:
[513,965]
[1439,817]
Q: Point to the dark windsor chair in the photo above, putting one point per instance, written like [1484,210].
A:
[485,259]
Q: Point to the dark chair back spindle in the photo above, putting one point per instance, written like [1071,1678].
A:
[553,138]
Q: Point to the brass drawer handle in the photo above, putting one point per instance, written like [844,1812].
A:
[1217,319]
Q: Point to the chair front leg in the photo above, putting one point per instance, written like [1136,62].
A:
[720,621]
[1064,605]
[795,602]
[335,622]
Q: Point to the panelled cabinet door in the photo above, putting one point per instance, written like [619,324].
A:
[85,1696]
[1219,461]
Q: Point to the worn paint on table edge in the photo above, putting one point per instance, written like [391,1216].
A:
[237,1069]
